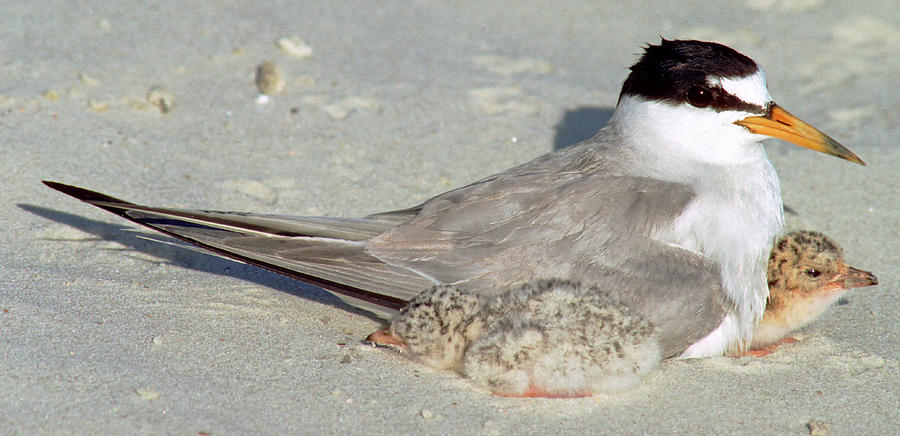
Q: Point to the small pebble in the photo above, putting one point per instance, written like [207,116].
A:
[269,79]
[817,428]
[87,80]
[98,106]
[294,46]
[147,394]
[51,95]
[427,414]
[161,98]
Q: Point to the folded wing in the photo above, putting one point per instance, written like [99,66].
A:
[486,237]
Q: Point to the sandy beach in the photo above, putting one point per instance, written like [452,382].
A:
[108,329]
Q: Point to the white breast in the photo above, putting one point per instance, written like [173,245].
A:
[734,221]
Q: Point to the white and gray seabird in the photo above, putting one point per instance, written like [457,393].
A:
[671,209]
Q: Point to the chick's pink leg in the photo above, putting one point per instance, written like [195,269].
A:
[769,349]
[538,392]
[386,336]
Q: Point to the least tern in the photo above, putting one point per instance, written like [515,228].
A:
[807,274]
[675,196]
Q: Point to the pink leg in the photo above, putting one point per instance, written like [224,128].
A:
[386,336]
[769,349]
[536,392]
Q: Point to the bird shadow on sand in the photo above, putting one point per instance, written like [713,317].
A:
[176,253]
[580,124]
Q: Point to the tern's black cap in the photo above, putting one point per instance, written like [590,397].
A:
[675,71]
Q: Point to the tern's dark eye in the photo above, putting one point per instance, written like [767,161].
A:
[812,272]
[699,96]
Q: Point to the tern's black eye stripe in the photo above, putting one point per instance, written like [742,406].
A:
[717,100]
[723,101]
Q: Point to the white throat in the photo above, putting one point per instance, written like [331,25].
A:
[674,138]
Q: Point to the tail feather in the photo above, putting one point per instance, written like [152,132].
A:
[324,252]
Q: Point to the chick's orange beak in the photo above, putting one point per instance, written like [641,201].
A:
[779,123]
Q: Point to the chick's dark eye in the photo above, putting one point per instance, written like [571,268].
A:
[699,96]
[812,272]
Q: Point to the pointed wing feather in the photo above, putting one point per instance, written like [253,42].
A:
[306,250]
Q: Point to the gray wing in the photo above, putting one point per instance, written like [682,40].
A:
[679,291]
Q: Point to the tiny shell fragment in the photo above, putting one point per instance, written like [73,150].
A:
[294,46]
[87,80]
[817,428]
[51,95]
[147,394]
[161,98]
[269,79]
[98,106]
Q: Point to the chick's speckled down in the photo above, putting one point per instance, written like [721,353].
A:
[549,338]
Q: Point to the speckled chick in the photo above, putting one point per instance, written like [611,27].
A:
[549,338]
[554,338]
[806,273]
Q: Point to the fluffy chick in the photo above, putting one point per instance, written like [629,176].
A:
[554,338]
[549,338]
[806,274]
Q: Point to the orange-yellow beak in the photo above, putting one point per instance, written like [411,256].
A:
[780,124]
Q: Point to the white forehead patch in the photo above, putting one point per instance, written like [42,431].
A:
[751,89]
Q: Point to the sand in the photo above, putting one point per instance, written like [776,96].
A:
[105,331]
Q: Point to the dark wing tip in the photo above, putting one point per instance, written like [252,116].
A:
[82,194]
[95,198]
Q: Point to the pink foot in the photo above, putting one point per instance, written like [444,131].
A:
[536,392]
[387,337]
[769,349]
